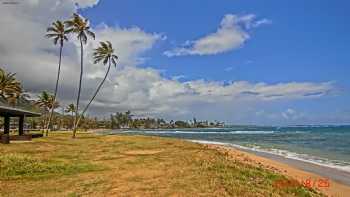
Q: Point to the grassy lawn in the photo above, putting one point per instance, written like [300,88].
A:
[94,165]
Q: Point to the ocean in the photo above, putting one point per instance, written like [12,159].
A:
[327,146]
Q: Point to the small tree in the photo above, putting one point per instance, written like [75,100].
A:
[46,103]
[71,109]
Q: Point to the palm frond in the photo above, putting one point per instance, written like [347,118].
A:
[51,35]
[105,60]
[105,54]
[57,32]
[51,29]
[55,40]
[10,88]
[91,34]
[114,62]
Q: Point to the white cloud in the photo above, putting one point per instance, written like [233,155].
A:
[145,91]
[129,43]
[86,3]
[291,114]
[262,22]
[231,34]
[178,77]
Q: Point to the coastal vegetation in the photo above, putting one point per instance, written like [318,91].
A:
[124,120]
[98,165]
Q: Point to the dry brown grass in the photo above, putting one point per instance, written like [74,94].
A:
[136,166]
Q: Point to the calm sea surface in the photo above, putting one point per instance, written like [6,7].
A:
[323,145]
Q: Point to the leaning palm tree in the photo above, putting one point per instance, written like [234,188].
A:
[10,88]
[58,33]
[105,54]
[81,28]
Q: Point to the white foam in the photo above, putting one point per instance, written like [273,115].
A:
[206,132]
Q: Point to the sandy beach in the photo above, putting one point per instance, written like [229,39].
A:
[329,181]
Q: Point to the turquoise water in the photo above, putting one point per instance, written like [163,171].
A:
[323,145]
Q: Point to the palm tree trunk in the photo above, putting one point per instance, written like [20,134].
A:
[56,89]
[72,120]
[96,92]
[79,89]
[44,124]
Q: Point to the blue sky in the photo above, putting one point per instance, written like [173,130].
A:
[244,62]
[306,41]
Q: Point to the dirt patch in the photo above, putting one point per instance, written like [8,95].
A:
[20,142]
[142,152]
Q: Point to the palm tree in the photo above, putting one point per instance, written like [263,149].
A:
[81,27]
[59,34]
[104,53]
[71,109]
[10,88]
[46,103]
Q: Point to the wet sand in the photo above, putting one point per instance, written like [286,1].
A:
[303,172]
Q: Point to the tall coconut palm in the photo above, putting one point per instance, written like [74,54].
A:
[10,88]
[71,109]
[105,54]
[58,33]
[81,28]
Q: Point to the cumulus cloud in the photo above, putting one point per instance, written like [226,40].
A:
[231,34]
[145,91]
[129,43]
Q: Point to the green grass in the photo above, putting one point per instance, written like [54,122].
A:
[16,165]
[131,165]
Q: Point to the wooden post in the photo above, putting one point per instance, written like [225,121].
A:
[20,125]
[5,139]
[6,124]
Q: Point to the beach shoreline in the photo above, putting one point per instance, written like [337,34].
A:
[329,181]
